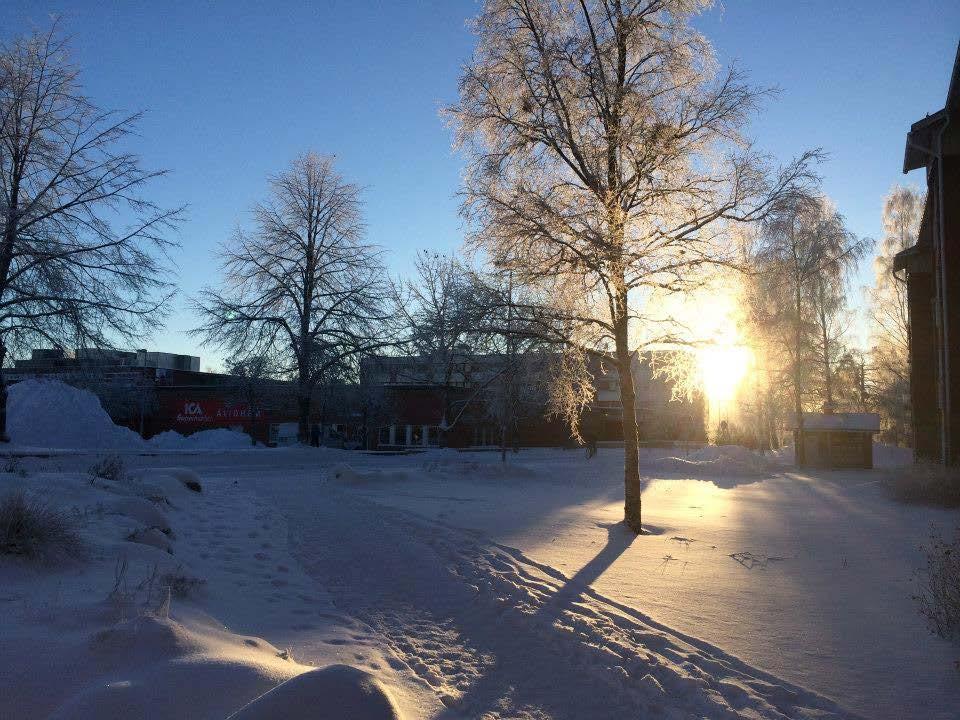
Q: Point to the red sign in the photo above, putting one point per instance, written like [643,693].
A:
[209,412]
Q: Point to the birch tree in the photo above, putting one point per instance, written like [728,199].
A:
[302,285]
[889,312]
[83,254]
[606,156]
[806,251]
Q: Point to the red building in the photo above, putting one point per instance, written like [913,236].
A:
[414,401]
[152,392]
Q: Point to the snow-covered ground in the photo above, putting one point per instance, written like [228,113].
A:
[454,586]
[469,588]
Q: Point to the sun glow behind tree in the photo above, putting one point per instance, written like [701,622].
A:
[722,370]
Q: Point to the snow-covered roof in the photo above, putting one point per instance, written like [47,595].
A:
[854,422]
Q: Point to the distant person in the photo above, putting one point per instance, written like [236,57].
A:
[591,441]
[315,435]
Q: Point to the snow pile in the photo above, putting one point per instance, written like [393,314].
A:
[48,413]
[343,473]
[330,693]
[108,639]
[219,439]
[478,470]
[783,456]
[154,666]
[721,460]
[884,456]
[890,456]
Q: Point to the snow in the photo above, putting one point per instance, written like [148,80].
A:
[450,586]
[330,693]
[51,414]
[884,456]
[718,460]
[48,413]
[219,439]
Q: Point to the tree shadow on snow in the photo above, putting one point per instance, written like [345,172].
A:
[539,676]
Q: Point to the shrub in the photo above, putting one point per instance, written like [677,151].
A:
[110,467]
[927,484]
[939,593]
[15,465]
[181,584]
[31,528]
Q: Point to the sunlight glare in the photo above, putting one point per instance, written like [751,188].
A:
[722,369]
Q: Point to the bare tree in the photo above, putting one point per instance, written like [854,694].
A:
[509,331]
[889,313]
[805,252]
[440,315]
[257,386]
[606,157]
[70,274]
[302,285]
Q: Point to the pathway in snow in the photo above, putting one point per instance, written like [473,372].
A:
[497,635]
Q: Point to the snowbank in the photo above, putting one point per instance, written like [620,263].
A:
[219,439]
[890,456]
[52,414]
[723,460]
[884,456]
[330,693]
[479,470]
[343,473]
[157,667]
[48,413]
[106,640]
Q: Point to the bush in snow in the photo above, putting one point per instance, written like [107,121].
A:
[14,466]
[939,594]
[109,468]
[927,484]
[31,528]
[181,584]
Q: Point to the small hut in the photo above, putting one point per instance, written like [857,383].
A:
[836,440]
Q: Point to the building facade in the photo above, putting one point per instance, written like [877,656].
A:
[458,402]
[152,392]
[931,269]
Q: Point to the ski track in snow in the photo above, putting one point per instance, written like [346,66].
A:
[497,635]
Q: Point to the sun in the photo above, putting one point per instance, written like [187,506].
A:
[722,368]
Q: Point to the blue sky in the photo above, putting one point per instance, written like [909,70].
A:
[234,90]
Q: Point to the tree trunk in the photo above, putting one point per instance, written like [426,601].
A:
[799,445]
[303,416]
[825,339]
[4,437]
[503,442]
[631,461]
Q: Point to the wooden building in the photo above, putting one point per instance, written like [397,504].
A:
[931,269]
[836,441]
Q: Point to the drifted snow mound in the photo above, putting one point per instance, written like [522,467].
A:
[343,473]
[155,667]
[219,439]
[719,460]
[884,456]
[49,413]
[330,693]
[887,456]
[473,468]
